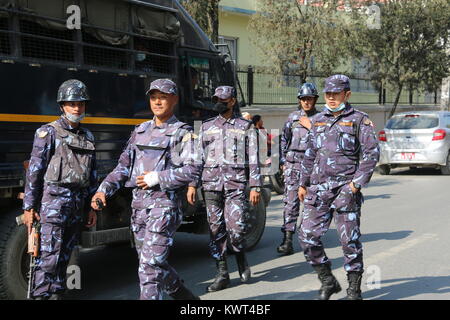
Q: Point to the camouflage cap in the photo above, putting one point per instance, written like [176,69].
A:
[224,92]
[337,83]
[163,85]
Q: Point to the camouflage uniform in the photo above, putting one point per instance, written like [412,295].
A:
[293,146]
[229,157]
[57,183]
[155,211]
[340,150]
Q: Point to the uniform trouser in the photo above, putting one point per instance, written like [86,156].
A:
[227,217]
[59,235]
[320,206]
[153,232]
[290,199]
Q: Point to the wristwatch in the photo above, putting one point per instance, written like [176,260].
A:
[257,189]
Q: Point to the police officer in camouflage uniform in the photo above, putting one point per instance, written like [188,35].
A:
[293,147]
[60,176]
[340,159]
[157,161]
[229,158]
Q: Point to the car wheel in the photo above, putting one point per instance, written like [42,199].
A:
[445,170]
[277,182]
[384,169]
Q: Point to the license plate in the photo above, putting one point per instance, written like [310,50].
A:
[408,156]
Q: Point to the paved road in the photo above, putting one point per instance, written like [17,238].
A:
[405,226]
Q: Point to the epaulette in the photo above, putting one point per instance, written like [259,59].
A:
[208,120]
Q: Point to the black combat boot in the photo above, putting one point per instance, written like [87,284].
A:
[354,288]
[184,293]
[330,285]
[244,269]
[222,279]
[285,247]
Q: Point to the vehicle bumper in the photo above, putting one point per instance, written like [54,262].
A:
[430,156]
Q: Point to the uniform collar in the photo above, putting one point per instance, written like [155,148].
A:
[221,120]
[171,120]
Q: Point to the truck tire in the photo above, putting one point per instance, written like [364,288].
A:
[277,181]
[256,224]
[14,260]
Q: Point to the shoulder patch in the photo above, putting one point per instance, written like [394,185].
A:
[42,134]
[367,122]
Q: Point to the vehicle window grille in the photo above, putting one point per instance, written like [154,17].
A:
[154,61]
[104,57]
[35,45]
[38,29]
[5,44]
[38,40]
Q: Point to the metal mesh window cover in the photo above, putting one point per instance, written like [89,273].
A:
[5,44]
[47,49]
[30,27]
[154,46]
[156,64]
[101,57]
[150,49]
[104,57]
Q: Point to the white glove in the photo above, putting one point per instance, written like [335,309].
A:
[151,179]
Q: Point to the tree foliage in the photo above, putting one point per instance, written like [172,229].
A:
[206,14]
[410,49]
[307,38]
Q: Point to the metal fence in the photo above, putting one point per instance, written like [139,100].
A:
[271,89]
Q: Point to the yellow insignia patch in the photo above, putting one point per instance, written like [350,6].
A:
[319,124]
[42,134]
[347,124]
[237,131]
[189,136]
[212,131]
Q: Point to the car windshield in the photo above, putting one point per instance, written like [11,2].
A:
[413,121]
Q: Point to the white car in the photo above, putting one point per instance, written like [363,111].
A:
[416,139]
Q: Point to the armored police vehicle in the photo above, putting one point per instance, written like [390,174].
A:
[119,47]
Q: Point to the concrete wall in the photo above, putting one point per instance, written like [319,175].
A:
[274,117]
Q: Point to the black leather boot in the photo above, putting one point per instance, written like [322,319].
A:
[244,269]
[330,285]
[285,248]
[222,279]
[354,288]
[184,293]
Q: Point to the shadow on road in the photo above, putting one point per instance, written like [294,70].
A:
[415,172]
[410,288]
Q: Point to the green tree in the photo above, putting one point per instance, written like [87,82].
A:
[408,51]
[206,14]
[306,37]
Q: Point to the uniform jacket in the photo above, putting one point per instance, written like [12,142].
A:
[50,177]
[340,149]
[228,152]
[167,149]
[294,138]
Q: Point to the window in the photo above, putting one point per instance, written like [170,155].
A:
[413,121]
[232,45]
